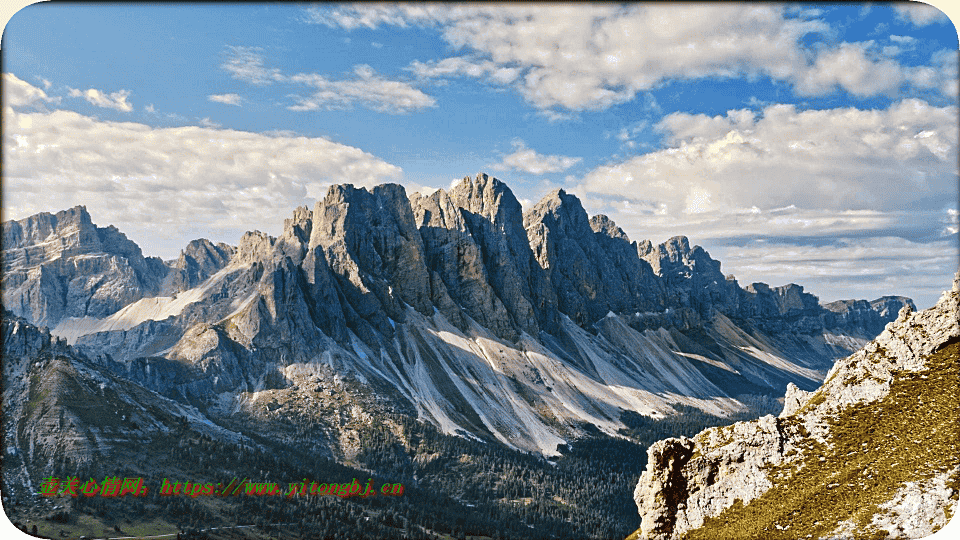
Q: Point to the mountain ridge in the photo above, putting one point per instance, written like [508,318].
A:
[515,327]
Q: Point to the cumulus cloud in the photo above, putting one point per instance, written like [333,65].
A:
[166,186]
[526,160]
[853,67]
[115,100]
[19,93]
[585,57]
[226,99]
[367,89]
[835,159]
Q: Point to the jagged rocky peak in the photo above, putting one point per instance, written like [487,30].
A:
[486,196]
[872,453]
[50,235]
[458,275]
[593,268]
[371,243]
[787,299]
[254,246]
[675,257]
[198,261]
[604,225]
[494,218]
[295,239]
[62,265]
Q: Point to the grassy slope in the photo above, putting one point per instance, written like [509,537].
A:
[875,448]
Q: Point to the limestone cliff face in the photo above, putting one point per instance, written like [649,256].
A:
[591,269]
[863,317]
[371,243]
[875,448]
[458,273]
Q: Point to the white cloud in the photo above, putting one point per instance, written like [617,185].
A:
[903,40]
[585,57]
[19,93]
[150,109]
[839,199]
[207,123]
[247,64]
[918,13]
[227,99]
[455,66]
[166,186]
[367,89]
[526,160]
[114,100]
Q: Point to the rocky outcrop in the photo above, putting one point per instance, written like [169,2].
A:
[62,265]
[861,441]
[374,250]
[691,279]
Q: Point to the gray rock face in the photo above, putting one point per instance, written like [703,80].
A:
[459,277]
[690,480]
[495,219]
[691,279]
[584,264]
[371,243]
[62,265]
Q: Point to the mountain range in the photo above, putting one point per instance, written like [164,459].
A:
[533,332]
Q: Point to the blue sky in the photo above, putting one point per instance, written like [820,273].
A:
[807,143]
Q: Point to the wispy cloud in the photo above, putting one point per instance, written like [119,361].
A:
[247,64]
[366,88]
[19,93]
[114,100]
[524,159]
[226,99]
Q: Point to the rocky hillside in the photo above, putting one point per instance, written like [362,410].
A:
[873,453]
